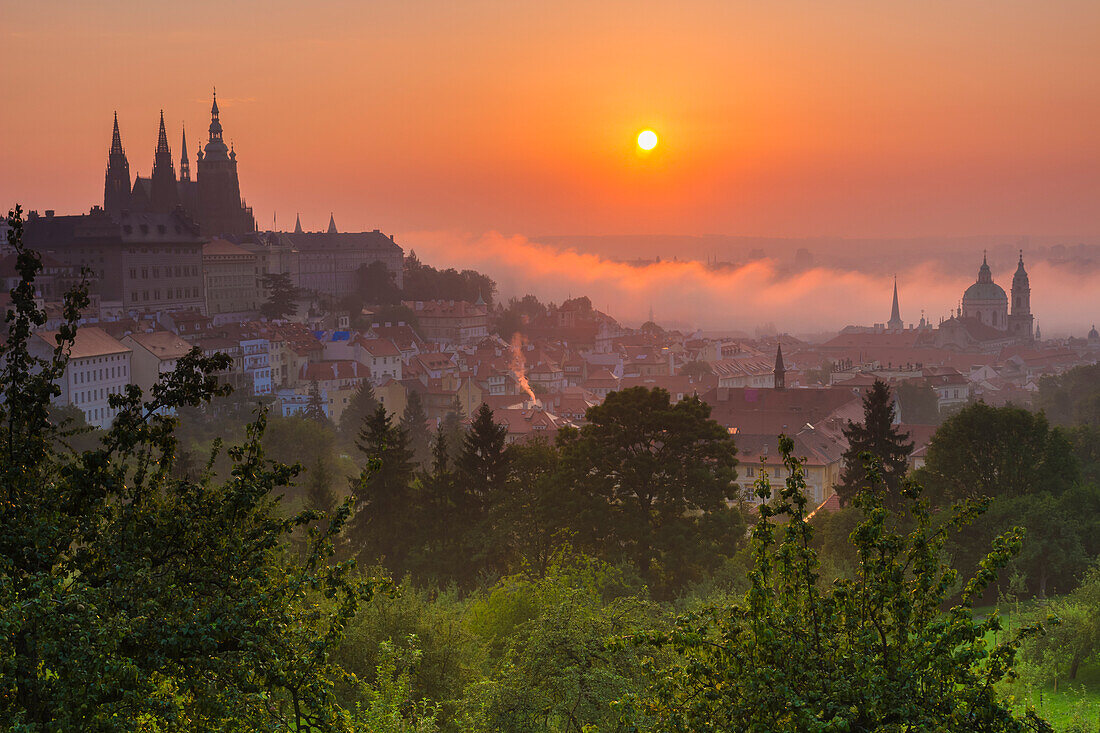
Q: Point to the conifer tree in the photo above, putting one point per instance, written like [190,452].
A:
[315,408]
[453,427]
[382,493]
[362,405]
[880,437]
[414,421]
[482,474]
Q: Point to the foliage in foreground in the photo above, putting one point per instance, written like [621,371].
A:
[132,598]
[872,653]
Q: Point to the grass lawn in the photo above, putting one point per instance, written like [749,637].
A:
[1074,707]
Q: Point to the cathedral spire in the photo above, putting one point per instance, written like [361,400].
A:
[298,224]
[895,323]
[331,224]
[163,196]
[116,140]
[162,137]
[185,165]
[116,185]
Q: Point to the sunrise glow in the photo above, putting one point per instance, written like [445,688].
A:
[647,140]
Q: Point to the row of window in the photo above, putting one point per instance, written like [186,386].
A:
[87,375]
[169,271]
[95,395]
[187,292]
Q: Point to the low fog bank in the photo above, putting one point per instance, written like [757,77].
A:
[804,289]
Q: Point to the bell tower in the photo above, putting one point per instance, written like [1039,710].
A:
[1020,321]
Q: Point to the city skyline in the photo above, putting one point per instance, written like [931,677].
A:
[794,120]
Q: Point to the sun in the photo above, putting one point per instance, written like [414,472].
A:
[647,139]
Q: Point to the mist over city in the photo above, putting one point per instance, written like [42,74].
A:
[500,366]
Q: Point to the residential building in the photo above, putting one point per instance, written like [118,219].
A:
[154,355]
[98,367]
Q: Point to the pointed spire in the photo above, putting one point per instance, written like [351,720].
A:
[780,369]
[214,107]
[162,136]
[185,165]
[331,224]
[116,140]
[298,224]
[895,322]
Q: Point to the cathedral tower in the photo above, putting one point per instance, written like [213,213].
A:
[163,196]
[220,208]
[1021,322]
[116,187]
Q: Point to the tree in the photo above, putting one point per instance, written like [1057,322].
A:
[648,473]
[315,408]
[376,284]
[1072,398]
[481,474]
[878,436]
[874,653]
[997,451]
[414,422]
[453,426]
[362,405]
[697,369]
[131,598]
[920,405]
[281,296]
[378,531]
[1075,639]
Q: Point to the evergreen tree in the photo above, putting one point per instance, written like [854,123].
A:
[454,428]
[362,405]
[414,422]
[482,473]
[281,296]
[379,529]
[315,408]
[439,551]
[878,436]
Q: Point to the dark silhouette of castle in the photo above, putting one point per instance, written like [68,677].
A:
[213,200]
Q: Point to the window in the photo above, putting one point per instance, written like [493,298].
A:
[750,471]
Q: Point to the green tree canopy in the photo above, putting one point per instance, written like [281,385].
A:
[997,451]
[132,598]
[874,653]
[649,473]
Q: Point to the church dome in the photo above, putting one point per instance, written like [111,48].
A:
[1094,335]
[985,291]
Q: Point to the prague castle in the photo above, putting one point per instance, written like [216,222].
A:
[213,200]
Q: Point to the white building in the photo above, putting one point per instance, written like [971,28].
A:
[255,361]
[381,356]
[98,367]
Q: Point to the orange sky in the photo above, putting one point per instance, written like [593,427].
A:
[777,118]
